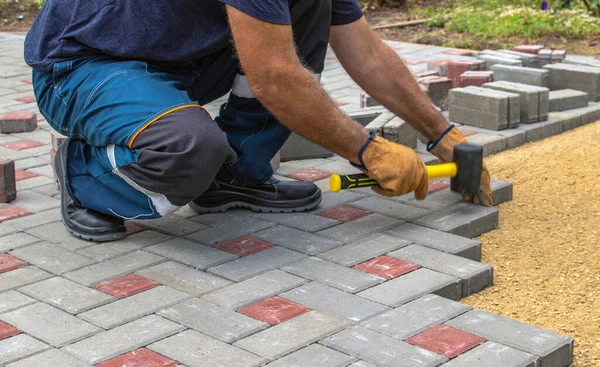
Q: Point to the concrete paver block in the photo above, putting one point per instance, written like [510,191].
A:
[491,354]
[12,300]
[381,349]
[413,285]
[8,185]
[236,227]
[533,100]
[363,249]
[464,219]
[20,277]
[523,75]
[314,355]
[554,350]
[296,240]
[184,278]
[18,347]
[528,60]
[131,243]
[359,228]
[491,144]
[476,78]
[437,90]
[296,147]
[502,191]
[52,258]
[379,122]
[512,137]
[493,60]
[301,221]
[416,316]
[542,130]
[52,357]
[588,114]
[478,107]
[532,49]
[292,335]
[389,208]
[567,99]
[191,253]
[17,122]
[581,78]
[400,131]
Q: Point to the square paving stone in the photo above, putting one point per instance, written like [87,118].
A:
[49,324]
[492,354]
[233,228]
[13,241]
[52,357]
[380,349]
[334,302]
[314,355]
[301,221]
[20,277]
[344,213]
[446,340]
[438,240]
[131,308]
[386,267]
[126,285]
[8,263]
[243,246]
[184,278]
[274,310]
[18,347]
[363,249]
[12,300]
[292,335]
[416,316]
[66,295]
[413,285]
[296,240]
[139,357]
[122,339]
[213,320]
[358,228]
[199,350]
[390,208]
[254,289]
[337,276]
[553,349]
[6,331]
[191,253]
[52,257]
[110,250]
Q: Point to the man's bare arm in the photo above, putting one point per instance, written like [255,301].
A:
[282,84]
[383,75]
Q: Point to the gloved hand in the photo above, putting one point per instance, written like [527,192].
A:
[398,169]
[444,148]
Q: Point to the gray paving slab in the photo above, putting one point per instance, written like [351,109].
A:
[113,268]
[191,253]
[172,225]
[438,240]
[570,120]
[437,200]
[413,285]
[331,200]
[254,289]
[502,191]
[478,107]
[491,144]
[581,78]
[51,257]
[364,249]
[524,75]
[553,349]
[463,219]
[213,320]
[66,295]
[231,230]
[380,349]
[120,340]
[359,228]
[29,221]
[588,114]
[199,350]
[14,241]
[304,242]
[48,190]
[314,355]
[415,317]
[18,347]
[110,250]
[12,300]
[567,99]
[256,264]
[334,302]
[390,208]
[302,221]
[42,321]
[542,130]
[57,234]
[492,354]
[184,278]
[33,182]
[533,99]
[20,277]
[292,335]
[335,275]
[362,364]
[52,357]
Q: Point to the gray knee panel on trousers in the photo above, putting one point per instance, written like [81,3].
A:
[179,155]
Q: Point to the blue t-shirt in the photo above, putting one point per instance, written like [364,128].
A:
[167,31]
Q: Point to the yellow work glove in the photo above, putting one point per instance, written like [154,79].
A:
[444,148]
[398,169]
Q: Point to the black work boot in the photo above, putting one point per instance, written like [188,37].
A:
[82,222]
[272,196]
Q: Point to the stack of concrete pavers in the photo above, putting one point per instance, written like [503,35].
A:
[578,77]
[528,60]
[519,74]
[533,101]
[499,59]
[476,78]
[566,99]
[485,108]
[394,129]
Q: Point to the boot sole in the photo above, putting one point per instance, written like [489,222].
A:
[254,207]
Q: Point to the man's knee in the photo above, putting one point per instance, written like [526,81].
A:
[179,155]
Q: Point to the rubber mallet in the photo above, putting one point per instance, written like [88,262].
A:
[464,171]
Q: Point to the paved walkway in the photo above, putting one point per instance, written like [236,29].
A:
[360,281]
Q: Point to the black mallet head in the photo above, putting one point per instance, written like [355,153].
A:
[469,164]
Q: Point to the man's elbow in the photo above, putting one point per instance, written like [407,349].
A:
[268,82]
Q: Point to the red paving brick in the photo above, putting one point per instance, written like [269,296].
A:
[274,310]
[455,70]
[243,246]
[466,133]
[344,213]
[310,175]
[435,186]
[459,52]
[8,263]
[40,118]
[386,267]
[28,99]
[27,81]
[17,116]
[6,331]
[126,285]
[131,228]
[446,340]
[23,175]
[413,62]
[139,358]
[23,144]
[12,212]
